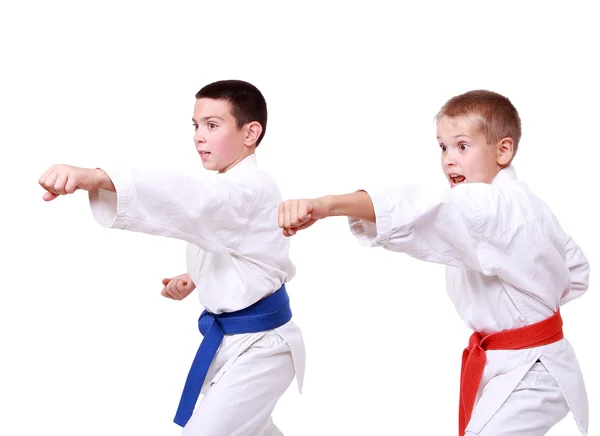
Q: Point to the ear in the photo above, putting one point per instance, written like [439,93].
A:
[505,149]
[253,131]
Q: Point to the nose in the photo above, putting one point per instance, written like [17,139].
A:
[448,161]
[199,137]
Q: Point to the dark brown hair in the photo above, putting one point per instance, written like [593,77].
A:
[246,101]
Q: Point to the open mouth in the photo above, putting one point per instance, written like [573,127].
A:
[204,153]
[456,178]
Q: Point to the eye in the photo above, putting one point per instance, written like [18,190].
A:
[463,146]
[195,126]
[443,147]
[211,125]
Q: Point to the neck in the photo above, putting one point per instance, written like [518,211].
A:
[237,161]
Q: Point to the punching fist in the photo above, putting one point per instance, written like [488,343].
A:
[297,215]
[66,179]
[178,287]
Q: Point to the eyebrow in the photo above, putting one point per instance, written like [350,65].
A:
[459,135]
[207,118]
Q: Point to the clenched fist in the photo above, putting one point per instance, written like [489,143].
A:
[297,215]
[178,287]
[66,179]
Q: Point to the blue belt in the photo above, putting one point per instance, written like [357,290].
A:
[266,314]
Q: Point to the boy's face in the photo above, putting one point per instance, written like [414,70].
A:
[466,155]
[219,142]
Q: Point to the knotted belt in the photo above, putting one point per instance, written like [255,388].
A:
[473,361]
[266,314]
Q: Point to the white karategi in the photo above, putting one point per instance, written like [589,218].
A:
[509,264]
[236,256]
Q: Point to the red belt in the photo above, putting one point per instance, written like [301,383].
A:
[473,361]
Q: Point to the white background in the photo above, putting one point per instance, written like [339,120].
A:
[89,347]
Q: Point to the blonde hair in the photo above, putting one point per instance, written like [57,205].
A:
[493,114]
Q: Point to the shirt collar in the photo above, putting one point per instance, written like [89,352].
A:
[505,175]
[248,161]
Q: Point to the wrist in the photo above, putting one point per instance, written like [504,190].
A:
[329,203]
[357,205]
[103,180]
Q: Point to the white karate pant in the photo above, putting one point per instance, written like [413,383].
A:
[532,409]
[242,390]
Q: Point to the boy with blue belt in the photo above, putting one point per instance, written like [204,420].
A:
[237,260]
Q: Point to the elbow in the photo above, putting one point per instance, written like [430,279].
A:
[580,273]
[582,280]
